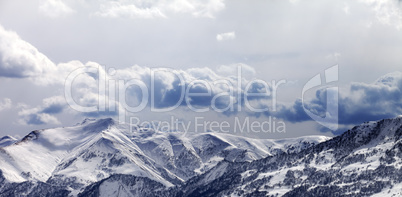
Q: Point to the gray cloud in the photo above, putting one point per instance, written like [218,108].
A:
[43,114]
[171,86]
[381,99]
[53,105]
[34,116]
[363,102]
[278,39]
[156,9]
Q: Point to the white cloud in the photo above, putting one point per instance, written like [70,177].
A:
[155,9]
[226,36]
[387,11]
[247,71]
[269,44]
[43,114]
[5,104]
[207,9]
[34,116]
[53,105]
[85,85]
[19,58]
[117,9]
[54,8]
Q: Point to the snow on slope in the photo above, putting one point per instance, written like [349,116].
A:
[194,153]
[364,161]
[7,140]
[78,152]
[96,149]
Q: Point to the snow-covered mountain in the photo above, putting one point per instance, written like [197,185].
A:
[364,161]
[7,140]
[104,157]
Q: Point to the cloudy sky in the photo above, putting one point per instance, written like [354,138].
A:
[247,60]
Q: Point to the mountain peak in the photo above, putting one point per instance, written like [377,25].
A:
[31,136]
[7,140]
[7,137]
[98,125]
[86,121]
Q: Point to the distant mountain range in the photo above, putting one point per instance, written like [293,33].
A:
[105,158]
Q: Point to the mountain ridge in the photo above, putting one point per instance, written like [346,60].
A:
[106,159]
[72,158]
[311,171]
